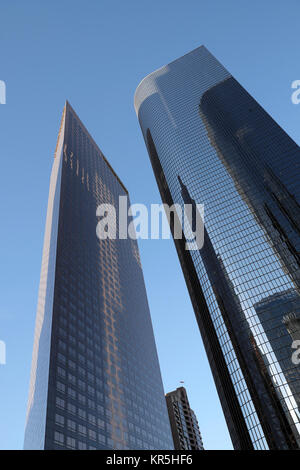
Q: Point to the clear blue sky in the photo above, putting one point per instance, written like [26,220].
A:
[94,53]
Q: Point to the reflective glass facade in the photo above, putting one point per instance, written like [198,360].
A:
[211,143]
[95,379]
[274,313]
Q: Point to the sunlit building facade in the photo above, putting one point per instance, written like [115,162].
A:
[95,378]
[211,143]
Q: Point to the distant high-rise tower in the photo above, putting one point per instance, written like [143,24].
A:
[184,424]
[95,377]
[211,143]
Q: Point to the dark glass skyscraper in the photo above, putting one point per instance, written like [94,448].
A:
[95,378]
[184,424]
[211,143]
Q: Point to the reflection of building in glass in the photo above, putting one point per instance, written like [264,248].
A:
[274,393]
[95,378]
[272,312]
[292,323]
[238,328]
[199,123]
[184,423]
[252,147]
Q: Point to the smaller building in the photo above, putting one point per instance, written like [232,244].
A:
[184,425]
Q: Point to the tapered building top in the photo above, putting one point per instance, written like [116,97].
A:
[95,377]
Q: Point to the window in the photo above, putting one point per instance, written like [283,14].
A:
[60,403]
[60,420]
[71,425]
[82,429]
[59,438]
[71,443]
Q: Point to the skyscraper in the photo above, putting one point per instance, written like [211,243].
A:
[211,143]
[95,378]
[184,424]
